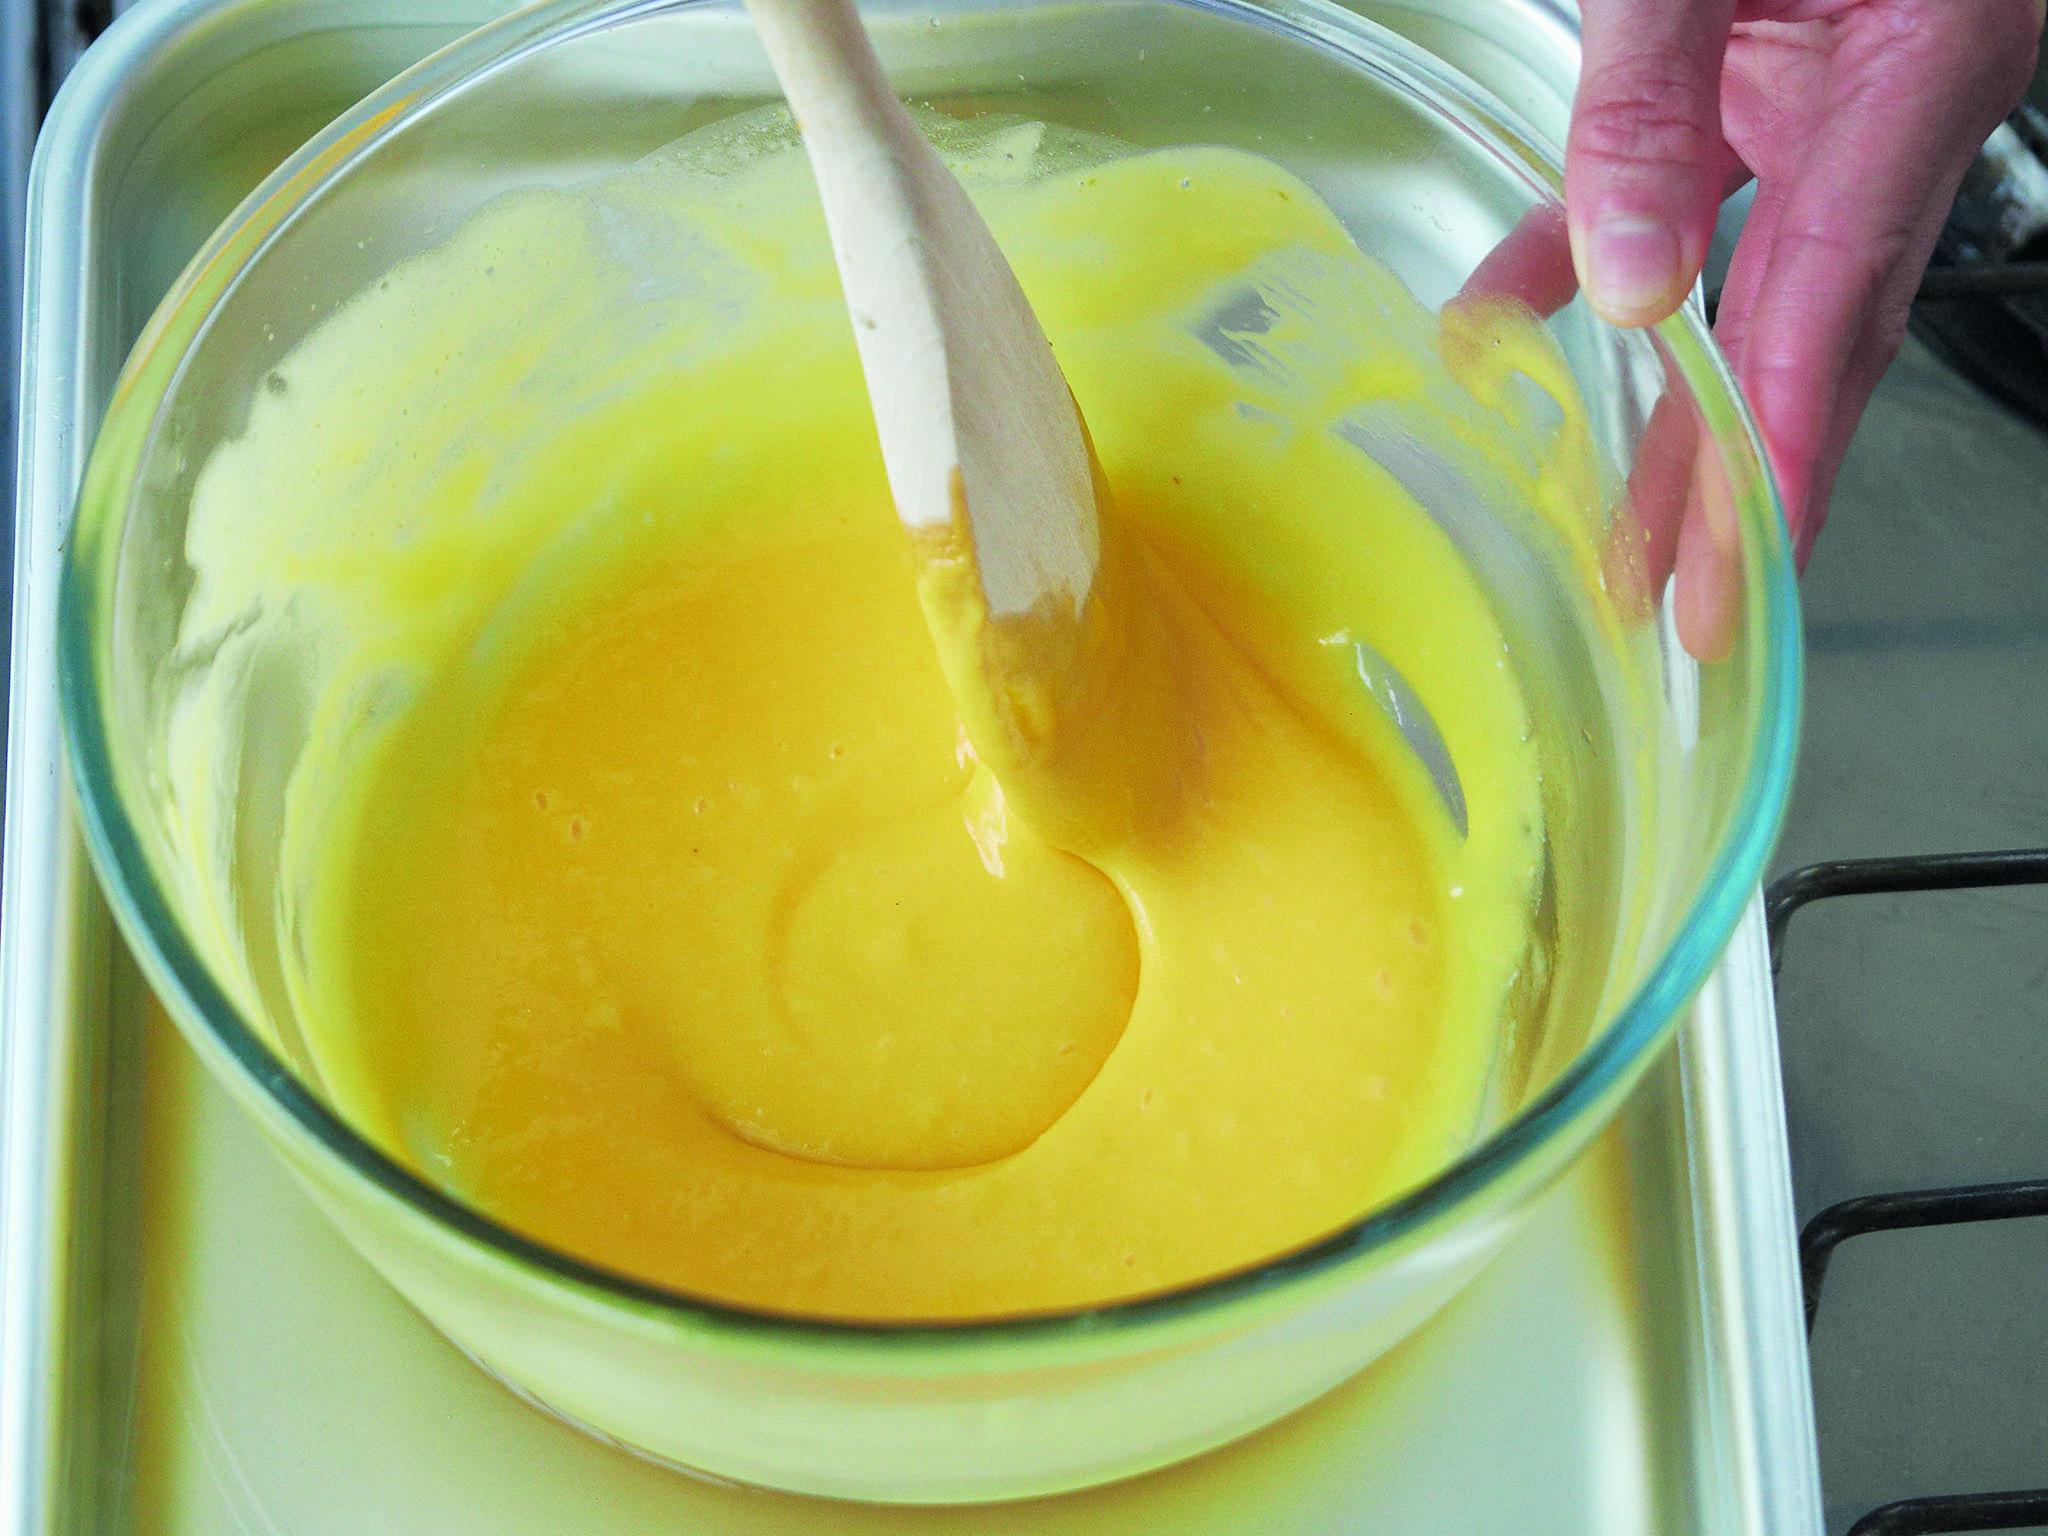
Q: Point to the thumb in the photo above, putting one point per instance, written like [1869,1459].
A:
[1646,163]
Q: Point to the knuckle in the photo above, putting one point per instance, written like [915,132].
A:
[1979,54]
[1858,262]
[1649,109]
[2015,29]
[1877,271]
[1985,49]
[2016,48]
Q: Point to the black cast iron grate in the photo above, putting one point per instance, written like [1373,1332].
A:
[1904,1210]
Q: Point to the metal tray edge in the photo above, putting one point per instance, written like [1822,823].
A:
[38,1063]
[1749,1260]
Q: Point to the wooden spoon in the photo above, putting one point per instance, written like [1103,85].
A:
[986,455]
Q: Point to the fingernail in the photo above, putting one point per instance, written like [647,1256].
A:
[1635,276]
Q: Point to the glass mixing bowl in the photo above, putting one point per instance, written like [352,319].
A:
[1663,778]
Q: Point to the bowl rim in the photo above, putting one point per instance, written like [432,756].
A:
[1607,1063]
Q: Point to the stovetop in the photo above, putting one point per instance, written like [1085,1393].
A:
[1915,1026]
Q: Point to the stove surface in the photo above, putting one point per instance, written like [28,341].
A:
[1912,1026]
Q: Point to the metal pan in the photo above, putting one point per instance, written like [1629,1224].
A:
[186,1346]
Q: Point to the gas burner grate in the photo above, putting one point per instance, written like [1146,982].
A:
[1987,319]
[1984,306]
[1903,1211]
[1955,1514]
[1910,1209]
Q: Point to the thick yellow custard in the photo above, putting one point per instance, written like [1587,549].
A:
[649,893]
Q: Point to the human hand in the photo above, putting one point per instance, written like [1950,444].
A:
[1675,520]
[1856,117]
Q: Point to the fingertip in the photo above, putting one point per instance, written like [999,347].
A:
[1704,605]
[1532,264]
[1706,593]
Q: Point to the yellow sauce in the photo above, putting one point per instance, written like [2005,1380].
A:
[650,893]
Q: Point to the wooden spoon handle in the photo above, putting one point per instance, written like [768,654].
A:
[978,431]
